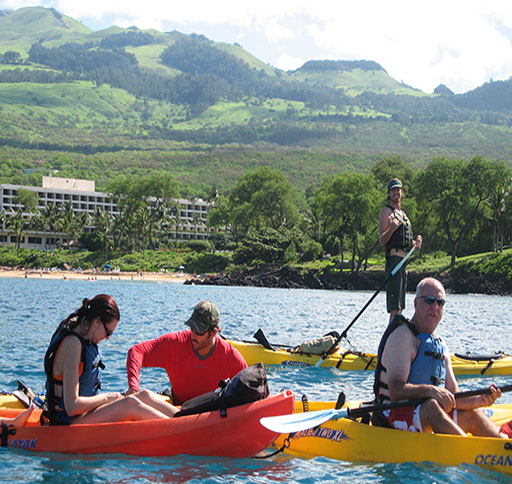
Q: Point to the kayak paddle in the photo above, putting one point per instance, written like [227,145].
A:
[295,422]
[345,331]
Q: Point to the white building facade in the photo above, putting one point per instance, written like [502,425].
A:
[81,194]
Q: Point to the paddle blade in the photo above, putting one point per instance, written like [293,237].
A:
[285,424]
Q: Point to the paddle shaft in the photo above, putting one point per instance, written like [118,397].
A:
[416,401]
[302,421]
[345,331]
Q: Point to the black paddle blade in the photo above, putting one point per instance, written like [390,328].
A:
[262,340]
[341,401]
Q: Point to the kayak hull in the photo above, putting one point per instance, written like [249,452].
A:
[500,364]
[238,435]
[352,441]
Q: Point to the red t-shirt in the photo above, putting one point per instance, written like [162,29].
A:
[189,374]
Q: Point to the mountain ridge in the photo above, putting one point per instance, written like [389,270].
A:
[68,91]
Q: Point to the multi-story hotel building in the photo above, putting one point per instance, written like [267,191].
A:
[83,197]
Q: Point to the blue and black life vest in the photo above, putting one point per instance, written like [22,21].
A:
[428,367]
[402,237]
[89,380]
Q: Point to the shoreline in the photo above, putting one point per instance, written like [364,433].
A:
[97,276]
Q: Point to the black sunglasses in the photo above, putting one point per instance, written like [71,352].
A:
[431,300]
[108,332]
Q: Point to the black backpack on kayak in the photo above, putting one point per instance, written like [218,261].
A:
[248,385]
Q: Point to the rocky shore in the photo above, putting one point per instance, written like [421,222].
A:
[289,277]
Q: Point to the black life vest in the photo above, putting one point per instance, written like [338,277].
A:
[402,237]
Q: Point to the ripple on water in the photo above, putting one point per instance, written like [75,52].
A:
[31,309]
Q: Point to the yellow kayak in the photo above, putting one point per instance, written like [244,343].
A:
[352,441]
[343,359]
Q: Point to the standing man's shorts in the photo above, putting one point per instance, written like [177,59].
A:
[397,285]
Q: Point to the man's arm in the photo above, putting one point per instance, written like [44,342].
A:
[468,403]
[387,225]
[151,353]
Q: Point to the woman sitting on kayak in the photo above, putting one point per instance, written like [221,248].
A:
[73,367]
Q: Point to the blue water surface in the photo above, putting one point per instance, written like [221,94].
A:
[30,309]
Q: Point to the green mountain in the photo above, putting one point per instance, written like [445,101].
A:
[23,27]
[96,104]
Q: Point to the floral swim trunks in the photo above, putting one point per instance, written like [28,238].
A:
[408,418]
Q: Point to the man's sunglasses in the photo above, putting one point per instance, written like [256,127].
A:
[431,300]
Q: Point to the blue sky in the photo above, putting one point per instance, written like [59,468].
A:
[461,44]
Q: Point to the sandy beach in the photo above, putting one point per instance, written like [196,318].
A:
[178,278]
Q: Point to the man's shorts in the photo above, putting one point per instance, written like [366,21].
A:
[397,285]
[408,418]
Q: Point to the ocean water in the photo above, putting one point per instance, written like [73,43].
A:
[30,309]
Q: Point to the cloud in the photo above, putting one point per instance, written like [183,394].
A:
[276,32]
[289,63]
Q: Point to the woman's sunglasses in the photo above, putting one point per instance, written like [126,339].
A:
[108,332]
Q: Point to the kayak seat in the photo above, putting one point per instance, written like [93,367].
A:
[378,420]
[470,357]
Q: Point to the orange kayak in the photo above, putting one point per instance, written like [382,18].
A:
[238,435]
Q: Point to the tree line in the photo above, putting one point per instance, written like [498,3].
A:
[460,207]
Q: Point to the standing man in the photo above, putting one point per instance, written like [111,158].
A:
[395,233]
[414,363]
[195,360]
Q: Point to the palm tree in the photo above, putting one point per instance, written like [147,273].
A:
[3,219]
[66,221]
[16,224]
[73,225]
[142,226]
[51,215]
[103,222]
[38,223]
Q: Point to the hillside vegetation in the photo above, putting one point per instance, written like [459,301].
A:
[98,104]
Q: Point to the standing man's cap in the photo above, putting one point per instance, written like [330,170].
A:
[205,316]
[394,183]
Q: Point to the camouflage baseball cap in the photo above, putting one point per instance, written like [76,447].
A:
[205,316]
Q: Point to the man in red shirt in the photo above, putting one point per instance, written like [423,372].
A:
[195,359]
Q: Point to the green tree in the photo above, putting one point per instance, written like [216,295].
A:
[71,224]
[157,192]
[103,223]
[263,197]
[26,203]
[393,167]
[500,184]
[3,220]
[16,224]
[219,215]
[11,57]
[123,191]
[49,216]
[349,205]
[26,200]
[268,245]
[452,192]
